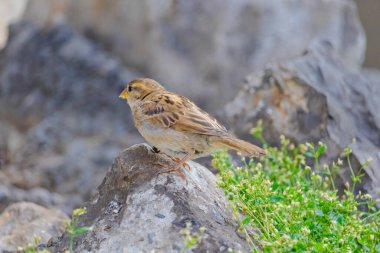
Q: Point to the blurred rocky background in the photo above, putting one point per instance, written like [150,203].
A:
[307,69]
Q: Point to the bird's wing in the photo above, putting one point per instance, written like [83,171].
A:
[170,110]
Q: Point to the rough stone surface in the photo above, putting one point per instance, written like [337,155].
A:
[209,45]
[311,98]
[10,11]
[23,221]
[140,208]
[61,122]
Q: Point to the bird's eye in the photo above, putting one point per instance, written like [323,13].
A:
[129,88]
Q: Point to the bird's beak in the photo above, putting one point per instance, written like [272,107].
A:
[124,94]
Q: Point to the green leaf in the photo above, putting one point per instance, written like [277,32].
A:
[275,198]
[275,186]
[308,154]
[246,220]
[191,242]
[319,212]
[321,150]
[81,230]
[339,219]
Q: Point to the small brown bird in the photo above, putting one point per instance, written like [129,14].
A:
[176,126]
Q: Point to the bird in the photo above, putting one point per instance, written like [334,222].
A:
[176,126]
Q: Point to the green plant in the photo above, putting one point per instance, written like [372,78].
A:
[72,228]
[33,247]
[296,208]
[190,238]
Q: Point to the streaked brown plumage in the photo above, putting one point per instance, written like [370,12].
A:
[176,126]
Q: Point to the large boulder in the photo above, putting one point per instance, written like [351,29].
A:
[141,208]
[20,223]
[311,98]
[10,11]
[61,120]
[209,45]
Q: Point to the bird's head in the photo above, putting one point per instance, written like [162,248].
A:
[139,89]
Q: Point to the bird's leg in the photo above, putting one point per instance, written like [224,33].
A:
[175,159]
[182,162]
[175,169]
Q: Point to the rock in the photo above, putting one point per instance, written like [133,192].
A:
[59,97]
[10,141]
[311,98]
[373,76]
[11,194]
[209,45]
[369,12]
[23,221]
[141,208]
[10,11]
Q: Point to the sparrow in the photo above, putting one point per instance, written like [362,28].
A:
[176,126]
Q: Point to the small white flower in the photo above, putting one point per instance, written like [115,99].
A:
[295,203]
[305,230]
[367,196]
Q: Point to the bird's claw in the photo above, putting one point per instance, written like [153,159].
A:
[179,173]
[176,169]
[180,163]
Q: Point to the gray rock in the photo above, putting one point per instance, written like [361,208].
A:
[59,97]
[23,221]
[209,45]
[311,98]
[141,208]
[10,11]
[11,194]
[369,12]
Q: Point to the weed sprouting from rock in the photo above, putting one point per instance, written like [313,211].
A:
[296,208]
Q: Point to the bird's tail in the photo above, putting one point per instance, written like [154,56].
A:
[242,146]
